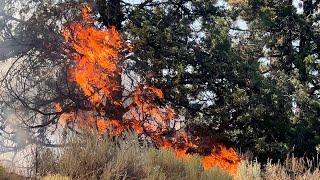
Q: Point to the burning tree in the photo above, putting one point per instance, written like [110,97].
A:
[193,63]
[97,68]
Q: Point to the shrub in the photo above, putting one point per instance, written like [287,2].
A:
[127,157]
[292,168]
[5,175]
[164,164]
[2,171]
[249,170]
[91,157]
[56,177]
[46,163]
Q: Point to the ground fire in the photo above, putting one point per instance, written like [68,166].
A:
[97,69]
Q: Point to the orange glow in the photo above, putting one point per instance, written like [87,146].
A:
[220,156]
[96,68]
[114,126]
[225,158]
[96,58]
[86,10]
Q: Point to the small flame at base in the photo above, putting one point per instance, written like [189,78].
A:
[226,159]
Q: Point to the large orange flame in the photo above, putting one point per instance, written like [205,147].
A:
[96,58]
[96,69]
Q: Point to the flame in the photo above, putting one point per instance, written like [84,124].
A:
[96,69]
[226,159]
[219,156]
[96,58]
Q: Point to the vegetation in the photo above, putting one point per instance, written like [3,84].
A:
[178,72]
[293,168]
[6,175]
[128,159]
[103,159]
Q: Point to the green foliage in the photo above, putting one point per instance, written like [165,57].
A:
[291,80]
[213,75]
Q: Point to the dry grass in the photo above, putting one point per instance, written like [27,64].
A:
[249,170]
[163,164]
[5,175]
[292,169]
[56,177]
[90,157]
